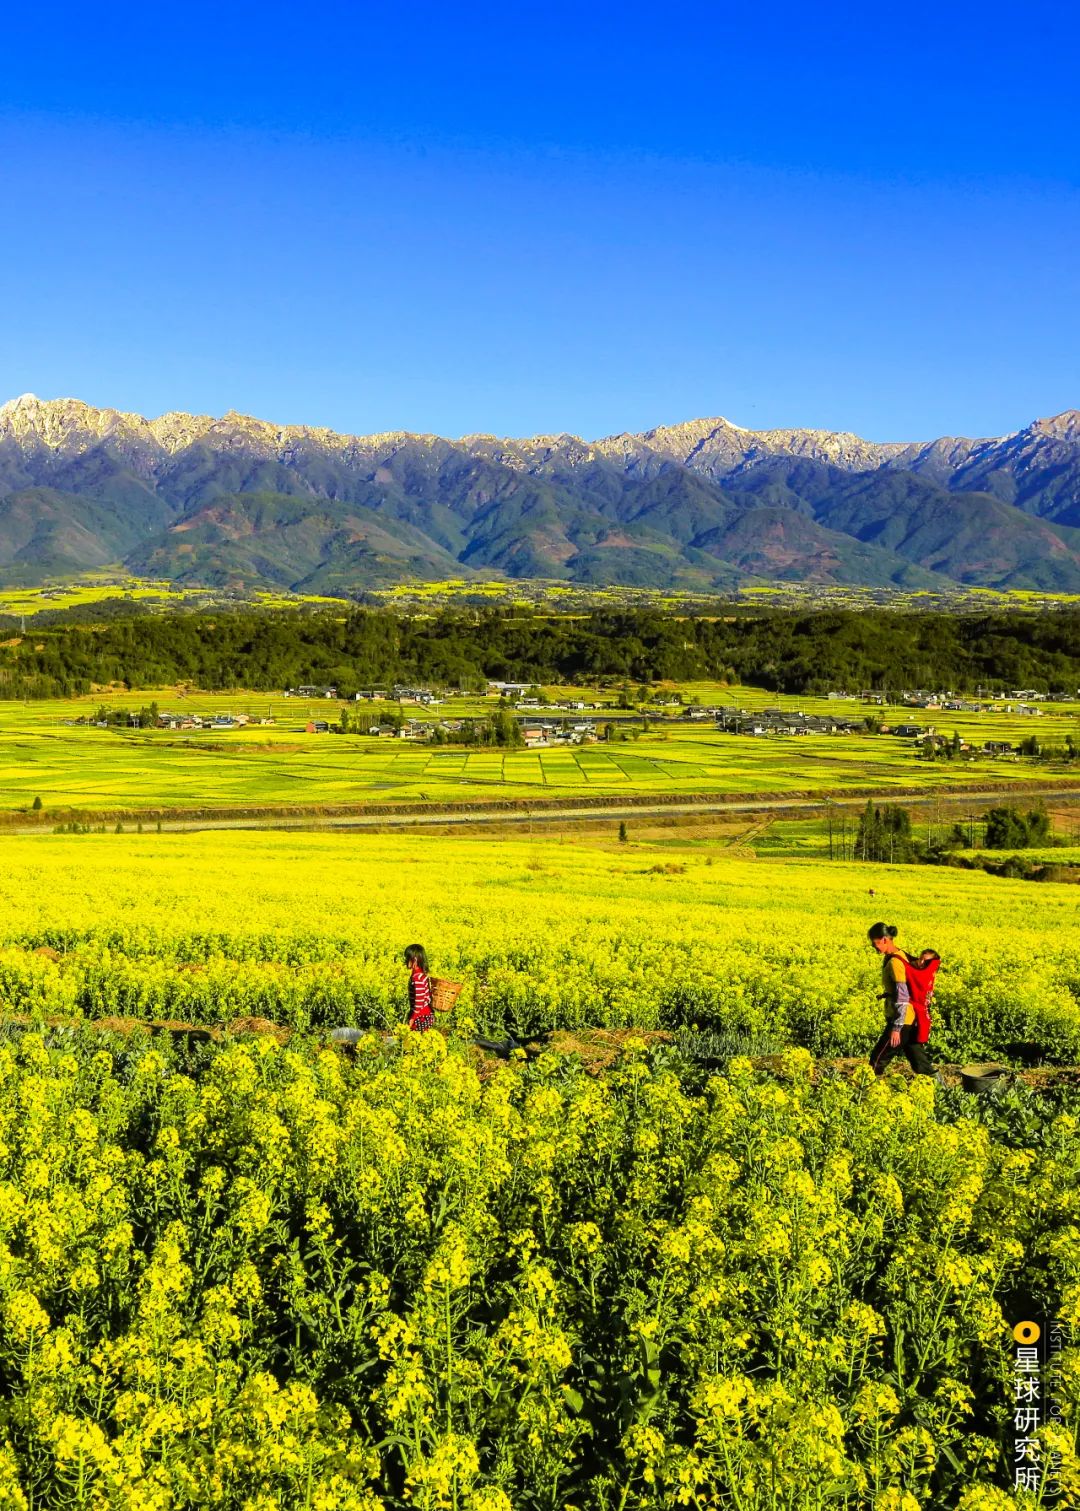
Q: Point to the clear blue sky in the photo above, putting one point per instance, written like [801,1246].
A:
[516,219]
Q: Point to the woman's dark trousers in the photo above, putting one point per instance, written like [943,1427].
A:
[917,1056]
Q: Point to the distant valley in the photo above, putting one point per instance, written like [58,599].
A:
[707,504]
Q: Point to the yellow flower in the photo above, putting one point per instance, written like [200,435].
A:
[25,1317]
[450,1265]
[895,1499]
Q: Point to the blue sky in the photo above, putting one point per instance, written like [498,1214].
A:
[586,218]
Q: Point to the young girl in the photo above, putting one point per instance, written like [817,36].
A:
[421,1016]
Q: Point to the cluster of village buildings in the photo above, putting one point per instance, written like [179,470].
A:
[185,720]
[777,721]
[542,732]
[950,702]
[545,723]
[424,696]
[210,721]
[516,693]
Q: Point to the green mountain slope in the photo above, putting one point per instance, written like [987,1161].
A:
[296,543]
[45,531]
[781,544]
[971,537]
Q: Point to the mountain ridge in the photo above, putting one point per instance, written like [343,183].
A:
[700,503]
[42,416]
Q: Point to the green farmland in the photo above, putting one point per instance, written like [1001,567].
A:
[86,769]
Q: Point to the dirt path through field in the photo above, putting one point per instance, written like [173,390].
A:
[599,1049]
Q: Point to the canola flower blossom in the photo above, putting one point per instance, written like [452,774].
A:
[274,1277]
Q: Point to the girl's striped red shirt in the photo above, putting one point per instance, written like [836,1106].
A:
[419,994]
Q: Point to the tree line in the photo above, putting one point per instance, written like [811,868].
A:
[884,834]
[782,650]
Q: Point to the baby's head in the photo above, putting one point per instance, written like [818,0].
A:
[927,955]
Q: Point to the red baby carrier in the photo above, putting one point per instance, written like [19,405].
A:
[920,981]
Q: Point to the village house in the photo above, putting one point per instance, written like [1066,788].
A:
[226,721]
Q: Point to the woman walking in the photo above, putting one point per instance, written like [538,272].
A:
[901,1030]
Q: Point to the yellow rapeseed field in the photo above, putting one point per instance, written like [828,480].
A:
[307,929]
[259,1277]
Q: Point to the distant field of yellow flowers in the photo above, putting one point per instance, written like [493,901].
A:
[257,1277]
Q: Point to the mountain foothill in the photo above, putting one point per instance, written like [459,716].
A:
[703,505]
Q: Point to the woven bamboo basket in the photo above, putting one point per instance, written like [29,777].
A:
[444,993]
